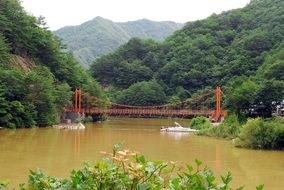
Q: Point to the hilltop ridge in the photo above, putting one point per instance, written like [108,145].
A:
[100,36]
[225,50]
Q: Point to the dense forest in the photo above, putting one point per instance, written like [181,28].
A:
[242,50]
[37,76]
[101,36]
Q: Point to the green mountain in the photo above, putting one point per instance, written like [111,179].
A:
[100,36]
[36,76]
[225,49]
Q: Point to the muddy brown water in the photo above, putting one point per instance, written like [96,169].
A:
[57,152]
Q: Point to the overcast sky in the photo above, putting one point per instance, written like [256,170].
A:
[59,13]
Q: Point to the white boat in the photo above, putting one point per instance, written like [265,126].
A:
[70,126]
[177,128]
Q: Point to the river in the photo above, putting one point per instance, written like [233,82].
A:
[57,152]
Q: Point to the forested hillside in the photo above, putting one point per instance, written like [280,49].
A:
[100,36]
[36,76]
[225,49]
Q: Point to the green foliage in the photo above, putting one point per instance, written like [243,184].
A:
[4,51]
[100,36]
[173,100]
[3,184]
[216,131]
[127,170]
[42,95]
[63,96]
[270,75]
[87,119]
[31,99]
[265,87]
[233,124]
[230,128]
[240,50]
[27,38]
[36,76]
[254,133]
[257,43]
[273,66]
[131,73]
[13,113]
[260,187]
[5,116]
[242,94]
[143,93]
[199,123]
[264,134]
[270,90]
[127,71]
[275,71]
[13,83]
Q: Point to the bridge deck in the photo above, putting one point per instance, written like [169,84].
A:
[146,112]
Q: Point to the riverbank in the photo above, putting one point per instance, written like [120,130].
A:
[254,133]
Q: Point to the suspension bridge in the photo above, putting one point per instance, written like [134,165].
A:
[207,104]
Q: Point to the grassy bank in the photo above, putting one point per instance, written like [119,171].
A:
[255,133]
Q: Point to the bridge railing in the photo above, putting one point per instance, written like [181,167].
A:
[157,112]
[162,110]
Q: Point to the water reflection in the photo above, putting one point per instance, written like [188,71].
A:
[176,135]
[77,145]
[59,151]
[217,158]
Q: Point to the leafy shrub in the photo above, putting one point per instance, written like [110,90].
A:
[279,136]
[215,131]
[127,170]
[199,123]
[3,184]
[232,124]
[260,133]
[229,129]
[87,119]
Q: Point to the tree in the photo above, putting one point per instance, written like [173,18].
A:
[204,53]
[257,43]
[63,96]
[13,83]
[14,114]
[143,94]
[242,94]
[275,71]
[135,49]
[270,91]
[130,73]
[38,94]
[4,52]
[41,93]
[5,116]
